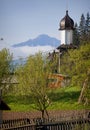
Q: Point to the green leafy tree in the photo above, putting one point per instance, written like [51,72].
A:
[76,64]
[53,59]
[33,80]
[5,70]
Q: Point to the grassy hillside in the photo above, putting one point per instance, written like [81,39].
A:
[61,99]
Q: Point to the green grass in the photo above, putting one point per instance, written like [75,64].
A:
[61,99]
[66,99]
[19,103]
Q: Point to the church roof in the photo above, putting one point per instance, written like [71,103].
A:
[65,47]
[66,22]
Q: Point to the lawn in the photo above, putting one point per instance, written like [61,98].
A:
[61,99]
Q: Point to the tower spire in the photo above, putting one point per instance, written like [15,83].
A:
[66,12]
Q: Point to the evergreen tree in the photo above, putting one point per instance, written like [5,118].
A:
[87,27]
[82,30]
[76,35]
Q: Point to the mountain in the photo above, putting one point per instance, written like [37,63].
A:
[41,40]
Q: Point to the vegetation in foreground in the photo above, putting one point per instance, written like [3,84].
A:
[61,99]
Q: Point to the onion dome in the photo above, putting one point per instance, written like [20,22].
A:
[66,22]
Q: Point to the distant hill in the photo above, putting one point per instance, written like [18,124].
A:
[41,40]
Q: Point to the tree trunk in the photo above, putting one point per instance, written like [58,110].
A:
[82,97]
[45,112]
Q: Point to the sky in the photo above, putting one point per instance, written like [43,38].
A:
[21,20]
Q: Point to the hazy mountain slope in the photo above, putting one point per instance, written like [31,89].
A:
[41,40]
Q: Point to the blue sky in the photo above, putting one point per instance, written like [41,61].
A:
[21,20]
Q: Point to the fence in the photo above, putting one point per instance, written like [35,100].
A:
[39,124]
[69,125]
[69,120]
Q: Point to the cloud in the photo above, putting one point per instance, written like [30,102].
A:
[27,50]
[33,50]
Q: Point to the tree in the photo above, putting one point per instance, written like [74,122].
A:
[76,40]
[53,61]
[82,30]
[87,27]
[77,66]
[5,69]
[33,80]
[85,92]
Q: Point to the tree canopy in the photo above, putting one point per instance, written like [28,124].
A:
[82,31]
[33,80]
[76,63]
[5,69]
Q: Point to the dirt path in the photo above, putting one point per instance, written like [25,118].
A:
[9,115]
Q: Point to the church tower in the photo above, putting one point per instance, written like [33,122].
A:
[66,30]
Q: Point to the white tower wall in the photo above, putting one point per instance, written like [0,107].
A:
[66,36]
[62,36]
